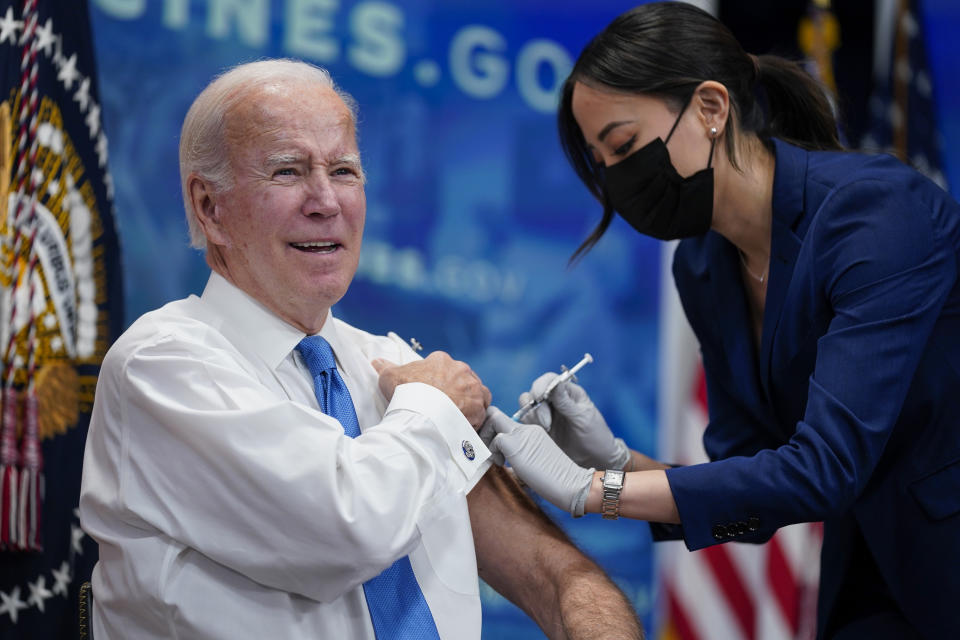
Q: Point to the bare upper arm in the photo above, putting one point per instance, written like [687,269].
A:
[526,558]
[511,535]
[509,530]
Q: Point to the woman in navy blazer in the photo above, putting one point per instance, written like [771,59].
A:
[823,288]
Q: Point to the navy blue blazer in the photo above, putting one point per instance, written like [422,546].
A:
[850,412]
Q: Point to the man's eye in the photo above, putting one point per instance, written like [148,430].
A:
[625,147]
[344,171]
[286,171]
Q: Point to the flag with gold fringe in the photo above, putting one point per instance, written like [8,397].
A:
[903,118]
[60,305]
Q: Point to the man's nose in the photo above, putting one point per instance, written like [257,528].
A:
[321,197]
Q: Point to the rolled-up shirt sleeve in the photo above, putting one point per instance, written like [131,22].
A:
[272,489]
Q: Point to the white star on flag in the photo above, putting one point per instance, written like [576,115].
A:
[39,593]
[93,119]
[101,149]
[62,579]
[11,604]
[9,27]
[46,37]
[68,72]
[76,535]
[83,94]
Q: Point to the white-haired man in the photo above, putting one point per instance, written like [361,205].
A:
[256,468]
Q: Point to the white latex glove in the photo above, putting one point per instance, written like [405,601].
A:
[487,433]
[575,424]
[539,462]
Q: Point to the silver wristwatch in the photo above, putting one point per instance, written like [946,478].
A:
[612,486]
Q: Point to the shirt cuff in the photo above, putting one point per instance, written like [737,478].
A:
[466,448]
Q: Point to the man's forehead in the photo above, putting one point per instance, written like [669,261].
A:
[278,100]
[277,116]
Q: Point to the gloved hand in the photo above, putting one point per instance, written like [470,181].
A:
[487,433]
[575,424]
[539,462]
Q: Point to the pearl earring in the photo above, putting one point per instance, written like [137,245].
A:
[713,132]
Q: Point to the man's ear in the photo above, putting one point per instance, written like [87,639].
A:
[207,213]
[711,100]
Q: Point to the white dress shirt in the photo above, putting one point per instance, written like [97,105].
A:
[226,505]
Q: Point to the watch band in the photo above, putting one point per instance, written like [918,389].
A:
[612,486]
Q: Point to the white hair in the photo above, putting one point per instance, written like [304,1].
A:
[203,142]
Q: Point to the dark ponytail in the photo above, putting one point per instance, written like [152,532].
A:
[666,49]
[797,109]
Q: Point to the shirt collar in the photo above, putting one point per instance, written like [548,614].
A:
[340,348]
[254,328]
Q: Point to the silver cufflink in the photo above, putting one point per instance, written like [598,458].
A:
[468,450]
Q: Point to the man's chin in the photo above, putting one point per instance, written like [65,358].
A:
[329,292]
[310,309]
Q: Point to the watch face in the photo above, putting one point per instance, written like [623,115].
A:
[613,479]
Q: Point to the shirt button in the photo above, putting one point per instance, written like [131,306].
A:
[468,450]
[719,532]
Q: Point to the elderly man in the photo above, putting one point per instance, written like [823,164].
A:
[256,468]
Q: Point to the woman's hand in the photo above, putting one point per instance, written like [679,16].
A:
[538,461]
[575,424]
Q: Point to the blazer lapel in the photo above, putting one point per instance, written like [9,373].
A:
[730,309]
[788,205]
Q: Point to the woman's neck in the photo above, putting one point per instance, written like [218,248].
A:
[743,206]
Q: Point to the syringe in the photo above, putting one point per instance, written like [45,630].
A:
[563,377]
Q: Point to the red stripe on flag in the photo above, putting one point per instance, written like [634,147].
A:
[783,583]
[700,389]
[733,588]
[678,615]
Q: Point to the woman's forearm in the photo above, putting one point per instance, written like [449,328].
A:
[646,496]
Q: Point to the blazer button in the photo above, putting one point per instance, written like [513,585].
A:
[719,532]
[741,528]
[754,523]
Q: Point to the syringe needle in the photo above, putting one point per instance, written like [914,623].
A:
[563,377]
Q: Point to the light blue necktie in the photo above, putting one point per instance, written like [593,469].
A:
[397,606]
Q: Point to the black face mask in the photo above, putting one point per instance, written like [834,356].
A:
[646,190]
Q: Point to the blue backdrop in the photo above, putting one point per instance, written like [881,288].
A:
[472,209]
